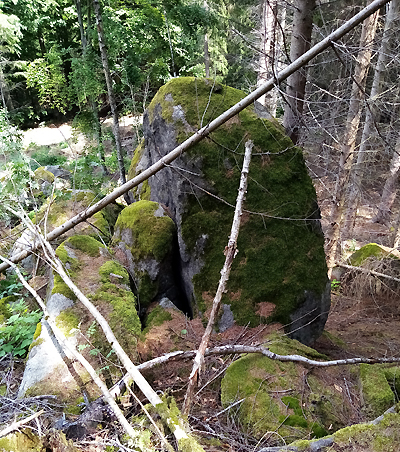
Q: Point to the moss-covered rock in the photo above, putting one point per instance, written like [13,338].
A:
[42,175]
[105,283]
[144,236]
[377,393]
[276,397]
[372,250]
[281,258]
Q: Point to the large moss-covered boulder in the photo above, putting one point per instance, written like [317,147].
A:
[106,283]
[279,273]
[143,239]
[284,397]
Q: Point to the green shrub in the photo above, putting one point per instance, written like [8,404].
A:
[17,333]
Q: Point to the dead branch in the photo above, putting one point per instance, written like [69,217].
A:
[65,346]
[365,270]
[16,425]
[230,253]
[213,125]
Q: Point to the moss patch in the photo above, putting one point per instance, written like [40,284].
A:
[377,393]
[368,251]
[67,321]
[151,236]
[86,244]
[115,268]
[156,318]
[42,175]
[383,437]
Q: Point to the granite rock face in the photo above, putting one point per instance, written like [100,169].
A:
[279,273]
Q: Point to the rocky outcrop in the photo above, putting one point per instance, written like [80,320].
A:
[279,273]
[106,283]
[144,241]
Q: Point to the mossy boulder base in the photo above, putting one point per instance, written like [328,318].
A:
[106,283]
[279,273]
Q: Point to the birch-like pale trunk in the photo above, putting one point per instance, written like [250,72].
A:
[206,130]
[349,137]
[230,253]
[111,98]
[371,118]
[296,85]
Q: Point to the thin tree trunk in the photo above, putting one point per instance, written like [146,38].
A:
[371,117]
[389,189]
[350,136]
[296,85]
[230,253]
[111,98]
[271,42]
[206,130]
[93,104]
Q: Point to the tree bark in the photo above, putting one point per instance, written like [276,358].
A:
[206,130]
[350,136]
[111,98]
[296,85]
[371,118]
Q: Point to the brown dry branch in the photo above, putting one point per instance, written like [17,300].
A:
[16,425]
[230,253]
[177,427]
[365,270]
[213,125]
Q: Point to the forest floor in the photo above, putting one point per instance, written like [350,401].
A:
[364,318]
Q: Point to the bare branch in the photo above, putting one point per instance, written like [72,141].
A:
[230,253]
[17,425]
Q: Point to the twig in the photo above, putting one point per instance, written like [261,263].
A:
[230,253]
[365,270]
[17,425]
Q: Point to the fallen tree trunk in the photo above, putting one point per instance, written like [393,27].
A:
[213,125]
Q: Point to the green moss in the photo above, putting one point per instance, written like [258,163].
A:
[277,259]
[123,319]
[377,393]
[3,390]
[152,236]
[67,321]
[115,268]
[86,244]
[35,343]
[61,288]
[367,251]
[137,155]
[62,254]
[392,375]
[38,331]
[86,197]
[157,317]
[263,383]
[147,289]
[146,191]
[101,226]
[383,437]
[42,175]
[21,441]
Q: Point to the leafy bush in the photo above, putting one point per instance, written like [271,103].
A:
[43,156]
[17,333]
